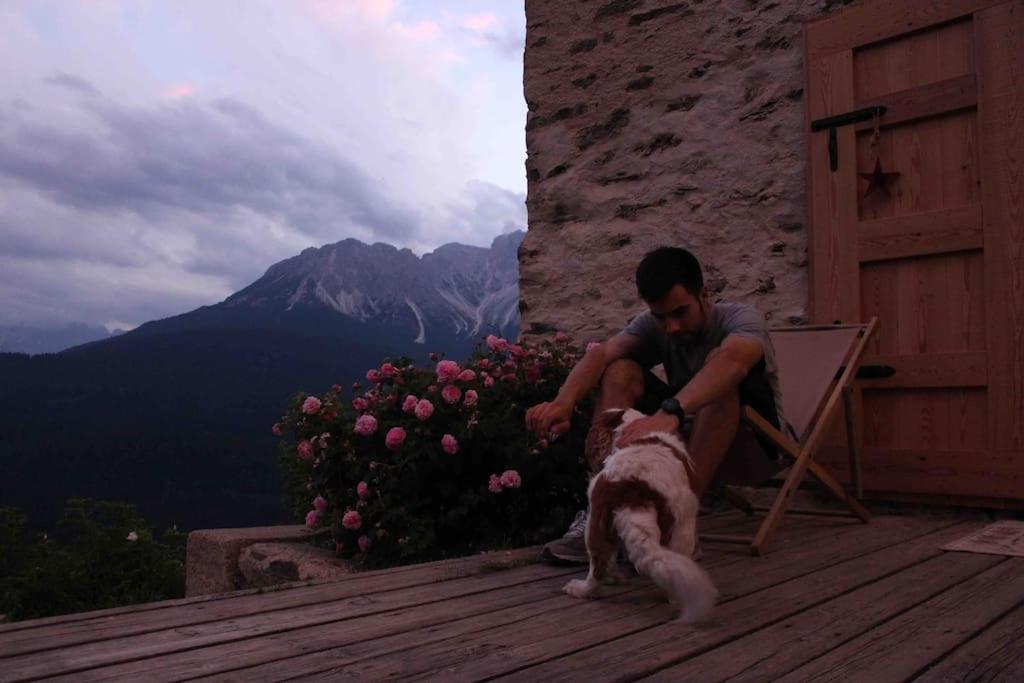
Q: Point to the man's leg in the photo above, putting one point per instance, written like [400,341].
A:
[714,430]
[622,385]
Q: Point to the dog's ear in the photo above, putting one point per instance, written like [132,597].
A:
[601,437]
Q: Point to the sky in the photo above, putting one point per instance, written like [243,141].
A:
[158,155]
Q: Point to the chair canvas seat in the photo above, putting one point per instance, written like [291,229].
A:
[817,365]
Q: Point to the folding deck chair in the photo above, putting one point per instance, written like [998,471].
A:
[817,365]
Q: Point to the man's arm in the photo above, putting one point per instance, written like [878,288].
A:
[554,416]
[724,369]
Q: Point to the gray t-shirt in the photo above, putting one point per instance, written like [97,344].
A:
[683,360]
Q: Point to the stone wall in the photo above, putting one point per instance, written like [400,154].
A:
[656,122]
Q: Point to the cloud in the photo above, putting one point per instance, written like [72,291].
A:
[75,83]
[155,159]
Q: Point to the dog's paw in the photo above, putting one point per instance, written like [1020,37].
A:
[578,588]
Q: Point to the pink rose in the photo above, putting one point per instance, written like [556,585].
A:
[336,388]
[388,370]
[510,479]
[364,544]
[311,405]
[312,518]
[496,343]
[305,450]
[360,404]
[320,505]
[356,386]
[395,438]
[494,484]
[484,363]
[432,389]
[510,377]
[366,425]
[517,351]
[276,429]
[351,520]
[363,490]
[447,370]
[449,445]
[467,376]
[532,373]
[432,356]
[451,393]
[592,345]
[409,404]
[424,409]
[373,376]
[471,398]
[488,381]
[561,338]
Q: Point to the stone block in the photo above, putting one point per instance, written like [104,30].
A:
[211,563]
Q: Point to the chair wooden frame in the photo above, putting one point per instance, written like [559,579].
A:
[802,455]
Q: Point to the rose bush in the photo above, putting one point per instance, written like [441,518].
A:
[433,462]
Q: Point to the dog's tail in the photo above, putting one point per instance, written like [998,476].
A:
[680,577]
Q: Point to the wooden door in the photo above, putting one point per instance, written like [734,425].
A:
[940,260]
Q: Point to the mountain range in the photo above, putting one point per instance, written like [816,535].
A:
[175,414]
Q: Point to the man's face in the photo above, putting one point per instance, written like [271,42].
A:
[680,314]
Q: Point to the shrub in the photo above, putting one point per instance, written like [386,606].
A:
[435,462]
[102,554]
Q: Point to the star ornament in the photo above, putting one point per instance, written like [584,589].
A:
[879,179]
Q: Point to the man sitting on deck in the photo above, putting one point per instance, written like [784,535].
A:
[717,358]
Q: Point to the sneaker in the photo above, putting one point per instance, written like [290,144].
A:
[572,547]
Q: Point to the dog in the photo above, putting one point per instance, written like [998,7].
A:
[641,498]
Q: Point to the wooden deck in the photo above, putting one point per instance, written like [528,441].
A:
[831,600]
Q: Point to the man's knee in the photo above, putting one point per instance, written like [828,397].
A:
[623,376]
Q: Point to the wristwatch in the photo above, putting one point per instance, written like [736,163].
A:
[672,407]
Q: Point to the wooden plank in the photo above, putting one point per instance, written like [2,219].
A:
[876,20]
[424,572]
[931,232]
[938,370]
[911,642]
[1000,50]
[767,654]
[832,248]
[981,474]
[181,631]
[249,650]
[533,654]
[942,97]
[995,654]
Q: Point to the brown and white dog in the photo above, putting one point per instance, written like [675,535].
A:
[641,497]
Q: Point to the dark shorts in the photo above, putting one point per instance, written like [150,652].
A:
[751,459]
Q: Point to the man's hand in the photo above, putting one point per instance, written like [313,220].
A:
[637,429]
[546,419]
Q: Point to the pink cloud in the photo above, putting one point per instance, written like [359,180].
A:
[179,91]
[479,22]
[424,30]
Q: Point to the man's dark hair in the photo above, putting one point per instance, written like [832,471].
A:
[662,269]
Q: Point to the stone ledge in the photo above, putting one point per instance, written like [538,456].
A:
[211,562]
[270,564]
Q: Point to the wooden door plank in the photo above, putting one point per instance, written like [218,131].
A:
[995,654]
[832,248]
[668,643]
[930,370]
[1000,54]
[925,101]
[910,643]
[771,652]
[876,20]
[980,474]
[921,234]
